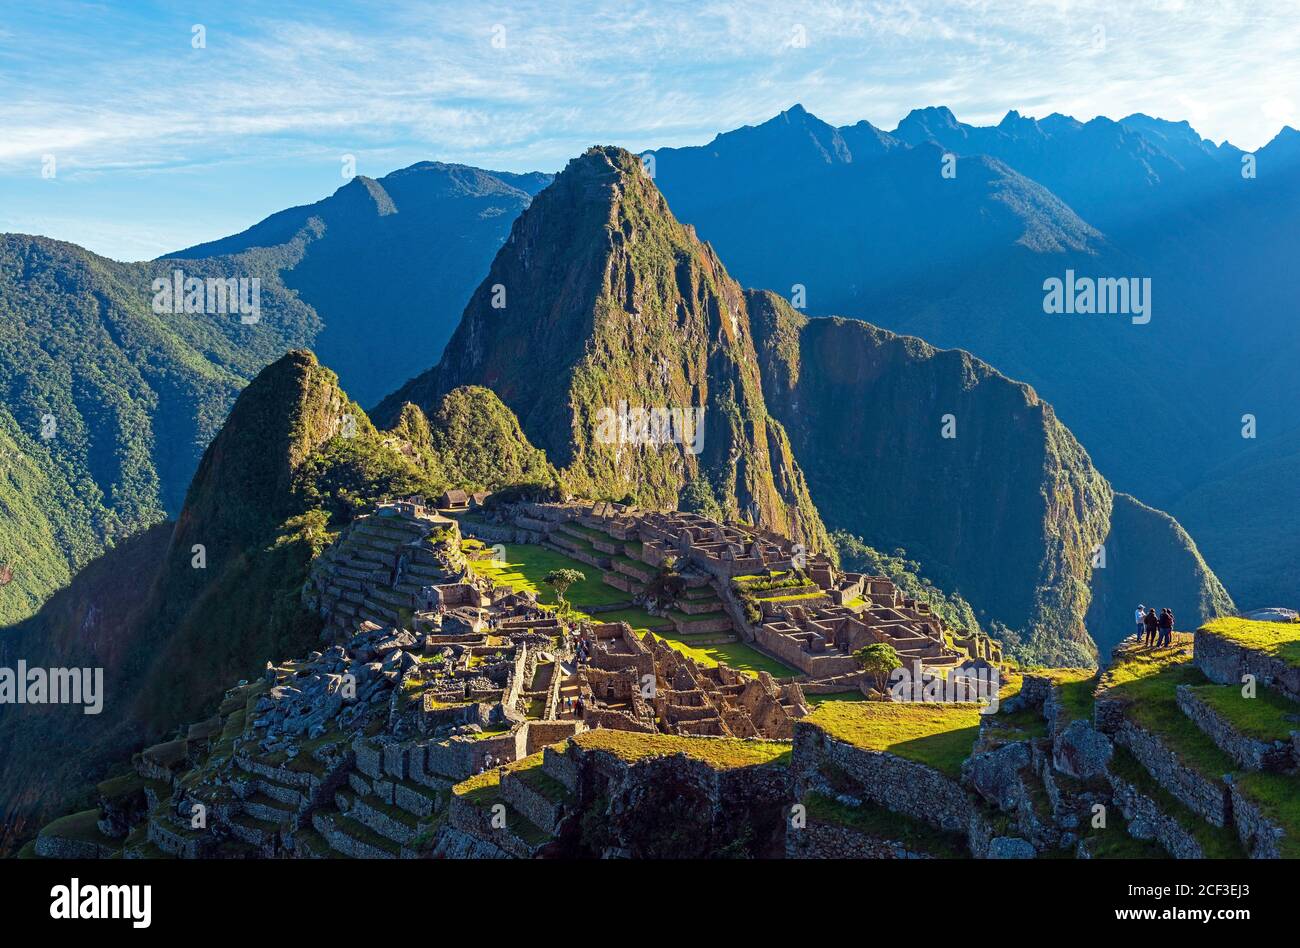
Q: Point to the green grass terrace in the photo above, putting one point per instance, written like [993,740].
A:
[937,735]
[1278,639]
[721,753]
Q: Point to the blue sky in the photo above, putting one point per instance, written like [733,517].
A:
[158,145]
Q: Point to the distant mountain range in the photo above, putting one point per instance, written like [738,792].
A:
[389,264]
[865,222]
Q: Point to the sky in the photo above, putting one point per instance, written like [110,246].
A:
[137,128]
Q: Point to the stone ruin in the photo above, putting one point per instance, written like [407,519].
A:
[643,684]
[812,621]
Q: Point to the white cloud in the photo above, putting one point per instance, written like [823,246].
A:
[109,92]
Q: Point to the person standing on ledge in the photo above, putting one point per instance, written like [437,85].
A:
[1166,626]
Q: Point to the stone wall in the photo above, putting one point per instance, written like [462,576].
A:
[819,840]
[475,821]
[895,783]
[1260,835]
[680,807]
[1250,753]
[341,842]
[1225,663]
[792,653]
[59,847]
[1147,821]
[541,811]
[1206,797]
[540,734]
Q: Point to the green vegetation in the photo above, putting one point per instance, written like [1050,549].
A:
[937,735]
[294,462]
[560,580]
[1147,680]
[815,700]
[698,497]
[878,661]
[542,783]
[81,827]
[738,655]
[105,406]
[1148,685]
[528,567]
[530,564]
[1265,717]
[721,753]
[1279,639]
[773,579]
[1114,842]
[1278,798]
[474,441]
[569,350]
[1075,688]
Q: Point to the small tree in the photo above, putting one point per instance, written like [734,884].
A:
[560,580]
[878,661]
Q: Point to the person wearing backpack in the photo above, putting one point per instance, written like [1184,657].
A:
[1166,626]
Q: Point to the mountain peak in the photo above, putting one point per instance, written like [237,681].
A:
[368,192]
[290,408]
[932,116]
[602,303]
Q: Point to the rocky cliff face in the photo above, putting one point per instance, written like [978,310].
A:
[936,451]
[601,306]
[1008,511]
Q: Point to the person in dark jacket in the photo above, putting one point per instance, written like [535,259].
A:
[1152,624]
[1166,626]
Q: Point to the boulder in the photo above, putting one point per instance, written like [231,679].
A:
[1082,751]
[1010,847]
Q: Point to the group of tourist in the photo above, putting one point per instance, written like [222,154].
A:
[574,706]
[582,648]
[1157,630]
